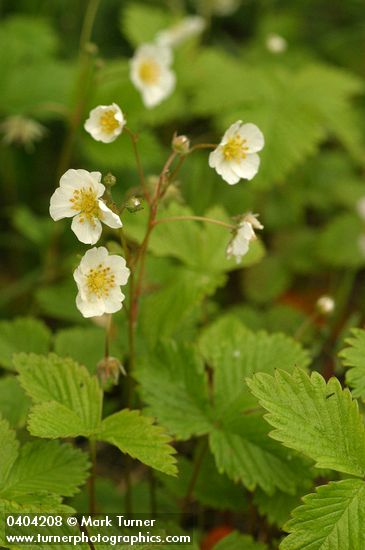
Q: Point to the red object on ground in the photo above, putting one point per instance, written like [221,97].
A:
[214,536]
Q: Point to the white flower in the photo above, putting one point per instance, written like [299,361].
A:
[78,197]
[20,130]
[151,73]
[105,123]
[235,157]
[98,278]
[187,28]
[325,305]
[244,234]
[276,43]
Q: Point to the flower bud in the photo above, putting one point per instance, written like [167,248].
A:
[109,180]
[109,370]
[325,305]
[181,144]
[133,204]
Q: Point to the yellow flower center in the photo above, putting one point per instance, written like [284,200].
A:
[100,280]
[108,122]
[235,148]
[149,71]
[85,201]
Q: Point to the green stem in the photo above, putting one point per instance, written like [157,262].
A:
[198,461]
[92,499]
[134,140]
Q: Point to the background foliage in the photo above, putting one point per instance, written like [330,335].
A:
[211,333]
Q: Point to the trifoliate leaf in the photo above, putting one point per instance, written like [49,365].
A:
[14,403]
[137,436]
[68,400]
[46,466]
[174,385]
[333,518]
[316,418]
[22,334]
[9,450]
[354,357]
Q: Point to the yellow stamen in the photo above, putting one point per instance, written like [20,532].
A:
[149,71]
[100,280]
[235,148]
[108,121]
[86,202]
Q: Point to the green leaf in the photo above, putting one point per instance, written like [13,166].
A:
[339,242]
[235,353]
[354,357]
[22,334]
[46,466]
[68,400]
[243,450]
[58,301]
[137,436]
[175,297]
[277,507]
[140,22]
[235,541]
[174,385]
[9,450]
[333,518]
[14,403]
[316,418]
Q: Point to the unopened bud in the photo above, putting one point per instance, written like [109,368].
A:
[109,180]
[109,370]
[325,305]
[133,204]
[181,144]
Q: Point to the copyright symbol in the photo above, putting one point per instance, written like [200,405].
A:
[72,521]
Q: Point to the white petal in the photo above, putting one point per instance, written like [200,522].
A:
[86,232]
[109,217]
[254,136]
[224,169]
[93,257]
[215,157]
[113,302]
[247,168]
[119,268]
[89,308]
[60,205]
[232,130]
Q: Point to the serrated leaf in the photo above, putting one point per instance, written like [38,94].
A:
[14,403]
[68,401]
[235,541]
[174,385]
[24,334]
[333,518]
[46,466]
[137,436]
[235,353]
[244,452]
[354,357]
[9,450]
[316,418]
